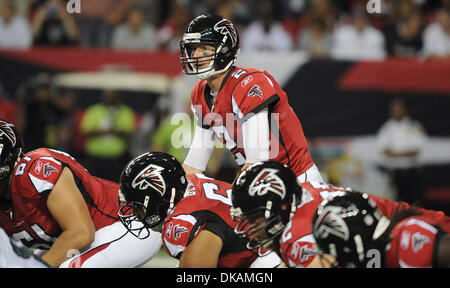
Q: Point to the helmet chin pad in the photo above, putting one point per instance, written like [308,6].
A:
[210,71]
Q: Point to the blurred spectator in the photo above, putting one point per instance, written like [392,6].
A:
[400,10]
[135,34]
[404,38]
[266,33]
[315,38]
[324,9]
[7,107]
[41,112]
[174,135]
[152,10]
[358,40]
[15,31]
[52,25]
[436,37]
[294,8]
[171,31]
[107,127]
[400,140]
[98,19]
[141,140]
[65,128]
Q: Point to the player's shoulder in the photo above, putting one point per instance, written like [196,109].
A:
[413,241]
[176,231]
[242,78]
[38,170]
[322,189]
[297,243]
[198,179]
[417,223]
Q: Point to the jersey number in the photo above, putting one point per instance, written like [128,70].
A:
[211,190]
[24,235]
[224,136]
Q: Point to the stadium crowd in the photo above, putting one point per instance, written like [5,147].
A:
[337,29]
[341,30]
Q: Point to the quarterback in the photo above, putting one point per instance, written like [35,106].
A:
[242,107]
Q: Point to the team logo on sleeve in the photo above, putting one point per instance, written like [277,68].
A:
[5,129]
[330,222]
[255,91]
[418,241]
[225,27]
[178,231]
[267,181]
[49,169]
[150,177]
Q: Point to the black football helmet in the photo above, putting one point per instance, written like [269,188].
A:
[212,30]
[150,186]
[346,226]
[264,197]
[11,149]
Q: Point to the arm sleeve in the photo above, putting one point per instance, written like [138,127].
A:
[255,133]
[255,92]
[201,148]
[43,174]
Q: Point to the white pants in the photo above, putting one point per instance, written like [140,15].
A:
[115,247]
[14,255]
[312,174]
[271,260]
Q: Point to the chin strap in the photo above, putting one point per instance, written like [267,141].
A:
[172,200]
[382,225]
[293,206]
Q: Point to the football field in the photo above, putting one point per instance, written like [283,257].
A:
[161,260]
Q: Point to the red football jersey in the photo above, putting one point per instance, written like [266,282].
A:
[206,206]
[414,243]
[34,177]
[245,92]
[297,241]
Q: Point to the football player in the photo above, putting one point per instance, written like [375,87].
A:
[52,204]
[275,211]
[351,231]
[192,212]
[242,107]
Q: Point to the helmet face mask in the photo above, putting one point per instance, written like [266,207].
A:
[345,226]
[264,197]
[261,233]
[211,30]
[150,186]
[11,147]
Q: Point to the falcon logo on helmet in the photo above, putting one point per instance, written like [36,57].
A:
[5,129]
[150,177]
[267,180]
[330,222]
[225,27]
